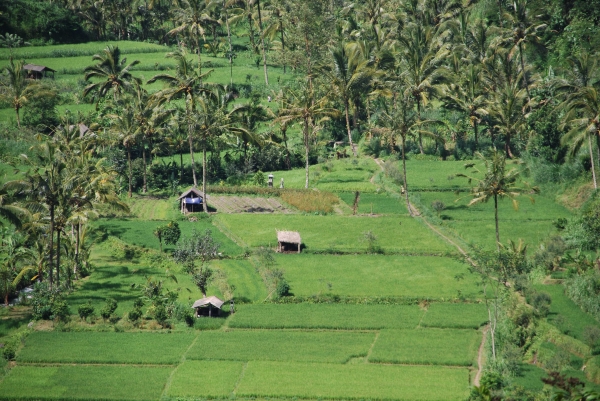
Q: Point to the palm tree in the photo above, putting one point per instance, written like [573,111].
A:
[15,87]
[112,73]
[402,121]
[125,130]
[350,74]
[186,84]
[421,59]
[302,105]
[250,115]
[214,120]
[583,118]
[497,183]
[192,18]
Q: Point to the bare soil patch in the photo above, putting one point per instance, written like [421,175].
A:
[247,204]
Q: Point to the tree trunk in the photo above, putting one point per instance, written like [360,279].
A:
[348,127]
[419,120]
[76,266]
[287,151]
[592,160]
[145,186]
[204,207]
[129,193]
[306,144]
[496,220]
[404,175]
[251,31]
[191,142]
[57,257]
[525,82]
[230,47]
[181,165]
[476,132]
[262,40]
[18,119]
[509,154]
[282,42]
[51,247]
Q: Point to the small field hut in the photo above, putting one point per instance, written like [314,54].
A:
[191,201]
[288,241]
[206,306]
[38,71]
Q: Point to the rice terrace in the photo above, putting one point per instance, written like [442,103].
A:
[286,200]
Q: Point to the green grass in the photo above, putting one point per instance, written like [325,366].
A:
[427,347]
[377,275]
[374,382]
[375,203]
[205,379]
[326,316]
[114,278]
[458,316]
[436,175]
[89,48]
[249,286]
[84,383]
[576,319]
[544,208]
[140,233]
[334,175]
[530,378]
[335,233]
[153,208]
[84,347]
[272,345]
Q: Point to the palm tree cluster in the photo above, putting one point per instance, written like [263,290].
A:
[51,206]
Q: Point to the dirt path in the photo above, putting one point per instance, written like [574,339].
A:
[480,357]
[417,213]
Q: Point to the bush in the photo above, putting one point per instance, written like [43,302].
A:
[9,352]
[591,336]
[438,206]
[61,311]
[283,288]
[541,302]
[86,310]
[108,309]
[161,315]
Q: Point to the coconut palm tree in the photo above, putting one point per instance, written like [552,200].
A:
[350,74]
[16,89]
[192,18]
[185,84]
[303,105]
[583,119]
[125,131]
[112,75]
[497,183]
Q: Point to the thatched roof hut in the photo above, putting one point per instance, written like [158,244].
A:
[191,201]
[288,241]
[38,71]
[205,306]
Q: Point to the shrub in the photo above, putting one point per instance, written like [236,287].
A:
[161,315]
[591,336]
[541,302]
[283,288]
[108,309]
[60,310]
[86,310]
[9,352]
[438,206]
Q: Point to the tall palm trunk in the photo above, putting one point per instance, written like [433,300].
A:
[288,162]
[476,132]
[262,40]
[282,41]
[306,144]
[76,265]
[230,46]
[57,257]
[191,143]
[51,247]
[496,220]
[204,207]
[180,164]
[145,186]
[130,192]
[404,175]
[592,161]
[419,120]
[525,81]
[348,126]
[251,31]
[18,119]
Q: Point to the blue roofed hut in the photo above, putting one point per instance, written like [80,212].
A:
[191,201]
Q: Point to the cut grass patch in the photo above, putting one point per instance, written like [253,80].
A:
[384,276]
[455,315]
[249,286]
[376,203]
[205,379]
[336,233]
[272,345]
[326,316]
[374,382]
[84,383]
[427,347]
[94,347]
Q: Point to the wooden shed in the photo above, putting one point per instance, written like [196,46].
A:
[38,71]
[191,201]
[288,241]
[205,306]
